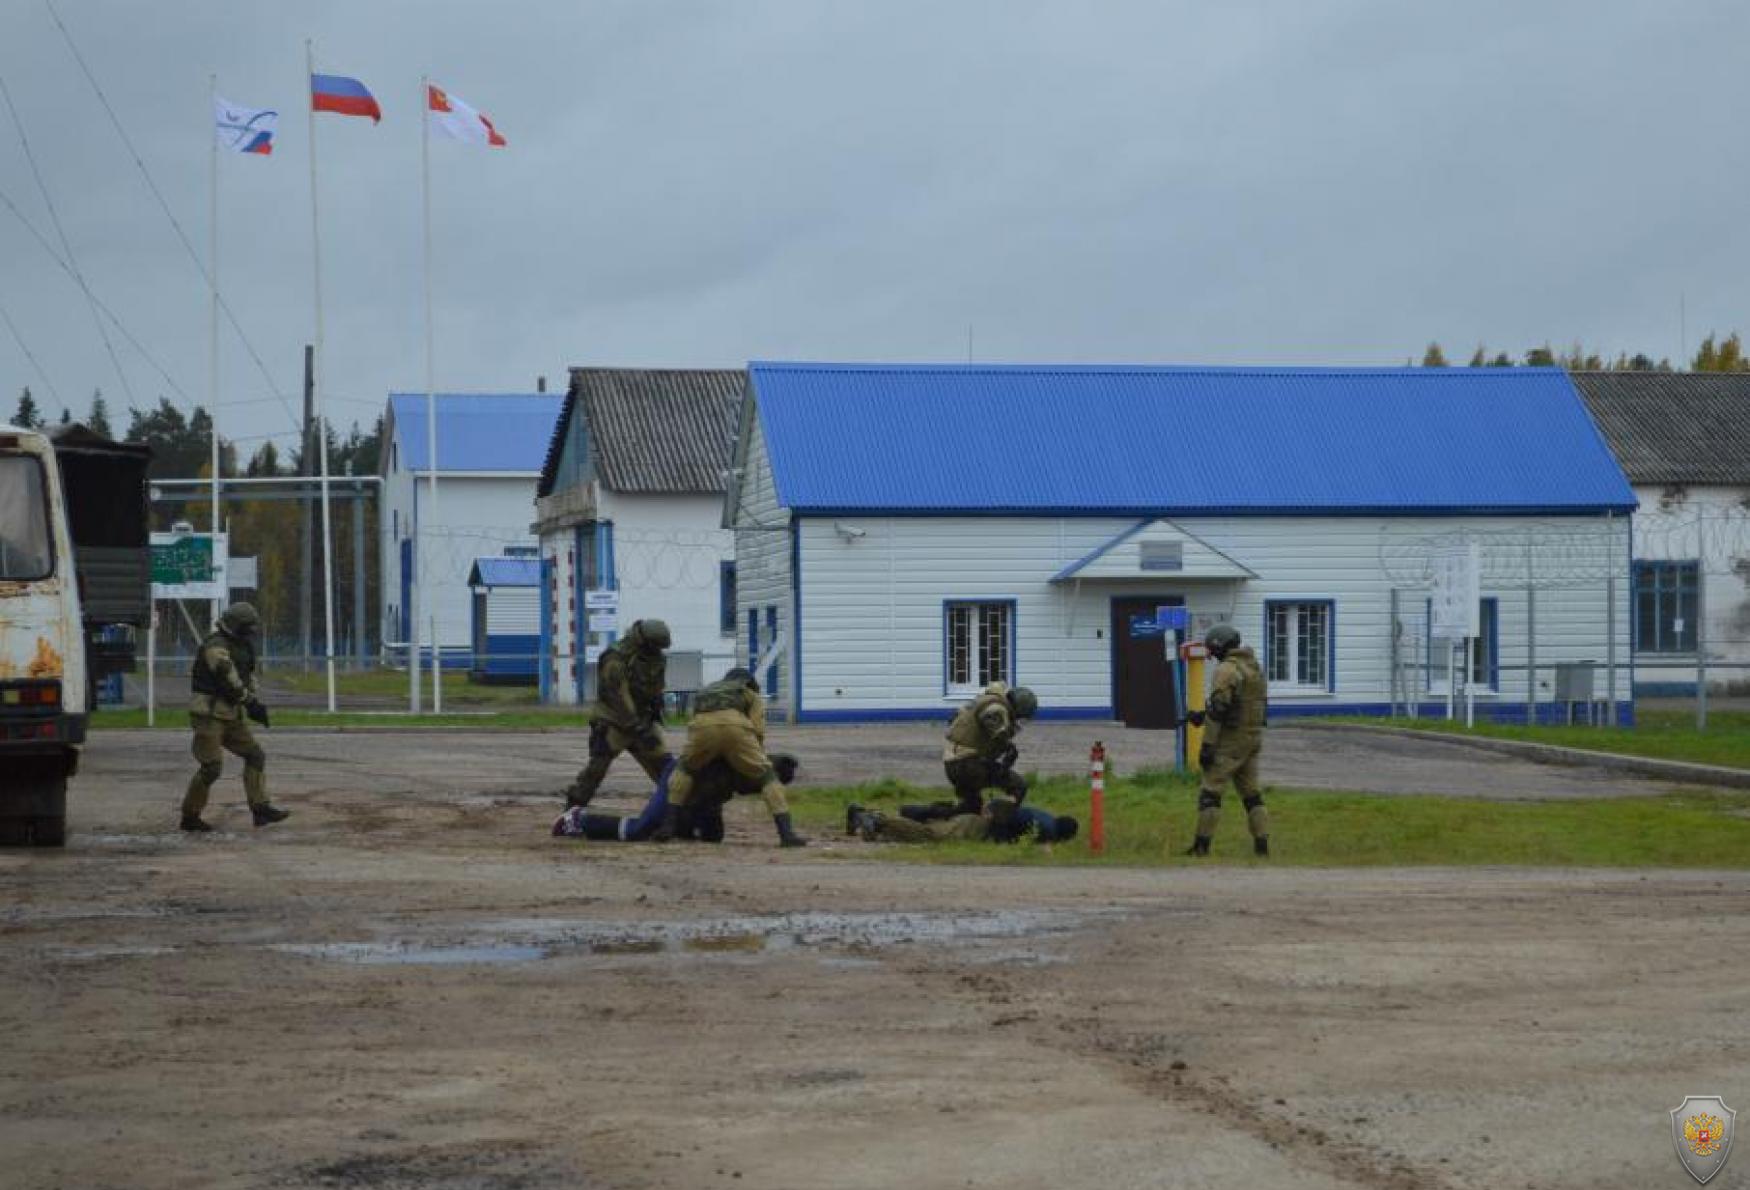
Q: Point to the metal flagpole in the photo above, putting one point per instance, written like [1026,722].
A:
[316,373]
[431,435]
[213,318]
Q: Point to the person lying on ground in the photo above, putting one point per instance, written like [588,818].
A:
[1001,821]
[701,818]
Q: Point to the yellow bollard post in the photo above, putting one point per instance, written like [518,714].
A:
[1194,653]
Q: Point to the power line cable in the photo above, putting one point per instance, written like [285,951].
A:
[31,356]
[164,206]
[66,246]
[55,256]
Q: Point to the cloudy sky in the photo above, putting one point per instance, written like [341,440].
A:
[703,182]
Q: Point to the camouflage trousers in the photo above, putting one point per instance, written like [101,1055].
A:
[214,737]
[606,742]
[1236,760]
[964,827]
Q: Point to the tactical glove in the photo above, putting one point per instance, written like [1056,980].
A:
[1195,718]
[257,713]
[1206,757]
[1007,757]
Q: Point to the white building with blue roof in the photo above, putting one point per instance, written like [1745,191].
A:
[905,535]
[490,447]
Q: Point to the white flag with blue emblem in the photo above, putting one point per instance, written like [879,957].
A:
[244,129]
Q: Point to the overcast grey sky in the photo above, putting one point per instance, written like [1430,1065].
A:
[703,182]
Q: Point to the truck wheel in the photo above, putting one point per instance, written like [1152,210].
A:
[37,814]
[49,832]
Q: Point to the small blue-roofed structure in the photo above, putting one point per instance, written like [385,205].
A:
[908,533]
[506,620]
[490,447]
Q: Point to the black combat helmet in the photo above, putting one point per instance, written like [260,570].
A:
[653,634]
[1025,702]
[1221,640]
[240,619]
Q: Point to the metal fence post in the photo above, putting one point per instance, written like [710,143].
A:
[1701,645]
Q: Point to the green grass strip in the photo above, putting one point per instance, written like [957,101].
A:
[1149,820]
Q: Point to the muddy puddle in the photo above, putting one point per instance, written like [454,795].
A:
[842,939]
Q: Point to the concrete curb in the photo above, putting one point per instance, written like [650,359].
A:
[1616,762]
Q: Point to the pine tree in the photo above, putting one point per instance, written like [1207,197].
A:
[1540,357]
[27,414]
[1434,357]
[99,419]
[1479,358]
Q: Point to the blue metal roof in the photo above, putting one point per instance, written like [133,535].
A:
[478,431]
[504,572]
[1059,439]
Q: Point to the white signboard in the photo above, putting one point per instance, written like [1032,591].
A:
[602,600]
[604,621]
[243,574]
[1456,603]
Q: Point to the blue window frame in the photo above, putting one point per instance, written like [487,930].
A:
[771,639]
[1300,651]
[978,644]
[1665,605]
[726,598]
[1485,663]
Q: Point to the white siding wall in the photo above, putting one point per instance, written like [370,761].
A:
[1710,525]
[477,516]
[872,607]
[762,559]
[668,553]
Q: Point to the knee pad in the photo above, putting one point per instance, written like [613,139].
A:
[1208,801]
[1253,802]
[211,770]
[255,758]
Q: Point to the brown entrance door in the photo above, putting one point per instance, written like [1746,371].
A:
[1144,690]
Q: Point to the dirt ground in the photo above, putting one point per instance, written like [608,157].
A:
[409,984]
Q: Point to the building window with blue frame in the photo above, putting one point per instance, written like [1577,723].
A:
[726,598]
[979,646]
[1485,658]
[1297,645]
[1665,601]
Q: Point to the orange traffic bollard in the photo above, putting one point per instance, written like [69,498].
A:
[1097,798]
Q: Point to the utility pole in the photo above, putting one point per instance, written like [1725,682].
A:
[306,527]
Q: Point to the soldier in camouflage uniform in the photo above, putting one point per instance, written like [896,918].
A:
[1233,738]
[1003,820]
[701,818]
[729,724]
[980,753]
[223,683]
[627,715]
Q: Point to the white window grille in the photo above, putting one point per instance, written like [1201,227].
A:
[1299,646]
[979,645]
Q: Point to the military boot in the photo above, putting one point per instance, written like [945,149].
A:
[195,824]
[1261,846]
[787,836]
[852,813]
[1199,846]
[266,814]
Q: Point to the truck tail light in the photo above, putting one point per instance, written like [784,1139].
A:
[35,696]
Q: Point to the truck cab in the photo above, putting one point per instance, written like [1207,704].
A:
[44,690]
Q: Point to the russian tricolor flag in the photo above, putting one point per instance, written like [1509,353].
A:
[343,96]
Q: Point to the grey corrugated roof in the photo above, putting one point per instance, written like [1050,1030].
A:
[1673,427]
[654,429]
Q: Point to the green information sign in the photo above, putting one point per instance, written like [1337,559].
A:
[182,561]
[187,566]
